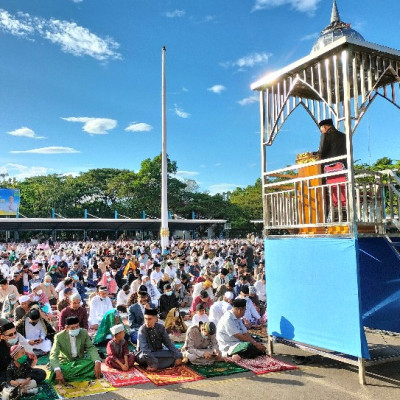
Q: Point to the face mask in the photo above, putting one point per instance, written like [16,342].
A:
[12,302]
[76,277]
[11,342]
[22,359]
[108,279]
[47,284]
[35,298]
[204,336]
[169,293]
[39,292]
[75,332]
[52,272]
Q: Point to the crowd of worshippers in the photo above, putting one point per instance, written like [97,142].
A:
[70,300]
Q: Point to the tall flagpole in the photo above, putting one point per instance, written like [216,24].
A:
[164,232]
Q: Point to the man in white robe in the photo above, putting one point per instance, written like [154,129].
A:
[99,305]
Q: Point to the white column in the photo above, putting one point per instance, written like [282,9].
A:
[164,232]
[349,140]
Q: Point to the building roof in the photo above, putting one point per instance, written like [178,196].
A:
[97,224]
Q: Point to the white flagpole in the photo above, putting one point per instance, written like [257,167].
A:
[164,232]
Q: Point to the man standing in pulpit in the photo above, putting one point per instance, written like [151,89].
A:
[332,143]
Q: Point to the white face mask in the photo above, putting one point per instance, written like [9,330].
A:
[39,292]
[74,332]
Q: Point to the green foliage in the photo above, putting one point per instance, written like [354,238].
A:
[103,190]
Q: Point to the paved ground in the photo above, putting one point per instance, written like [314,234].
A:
[323,379]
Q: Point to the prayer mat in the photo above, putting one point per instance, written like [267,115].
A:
[219,368]
[179,345]
[171,376]
[264,364]
[119,378]
[46,392]
[70,390]
[43,360]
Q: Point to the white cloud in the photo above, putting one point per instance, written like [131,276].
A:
[20,172]
[175,14]
[249,100]
[180,113]
[14,26]
[47,150]
[184,89]
[139,127]
[25,132]
[216,89]
[248,61]
[184,174]
[308,6]
[77,1]
[311,36]
[209,18]
[223,188]
[218,164]
[94,126]
[71,38]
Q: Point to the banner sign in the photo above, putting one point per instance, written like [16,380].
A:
[9,201]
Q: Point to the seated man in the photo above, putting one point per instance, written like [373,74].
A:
[232,335]
[74,309]
[136,314]
[202,298]
[168,301]
[219,308]
[201,346]
[8,338]
[36,330]
[151,338]
[251,316]
[98,307]
[67,356]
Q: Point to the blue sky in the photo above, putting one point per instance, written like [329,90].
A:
[80,83]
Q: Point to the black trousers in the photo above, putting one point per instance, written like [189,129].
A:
[39,375]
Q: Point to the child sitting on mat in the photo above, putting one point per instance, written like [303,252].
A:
[118,355]
[19,371]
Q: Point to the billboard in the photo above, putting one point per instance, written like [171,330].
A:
[9,201]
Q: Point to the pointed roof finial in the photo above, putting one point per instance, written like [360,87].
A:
[335,17]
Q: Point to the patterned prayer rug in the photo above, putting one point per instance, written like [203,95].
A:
[123,378]
[265,364]
[46,392]
[77,389]
[171,376]
[219,368]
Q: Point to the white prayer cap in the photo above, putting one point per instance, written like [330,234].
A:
[24,299]
[177,281]
[117,329]
[229,295]
[35,285]
[252,290]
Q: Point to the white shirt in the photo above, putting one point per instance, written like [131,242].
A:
[98,307]
[261,290]
[170,271]
[122,298]
[34,331]
[156,276]
[74,350]
[218,309]
[199,318]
